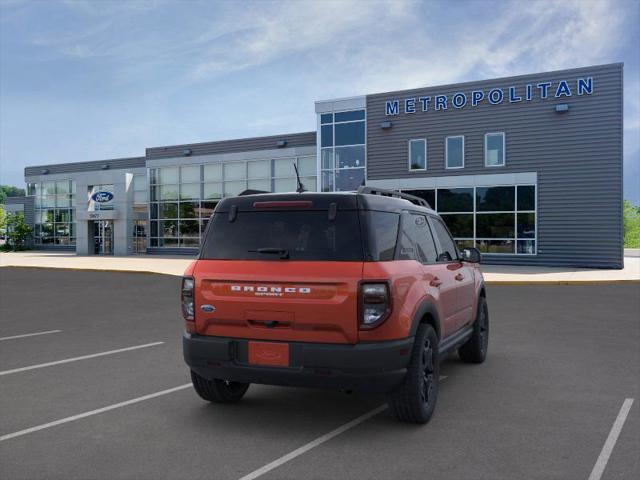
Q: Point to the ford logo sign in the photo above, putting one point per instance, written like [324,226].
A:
[102,197]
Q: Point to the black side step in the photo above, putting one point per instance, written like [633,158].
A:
[452,342]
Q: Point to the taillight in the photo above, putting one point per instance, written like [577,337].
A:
[186,298]
[375,304]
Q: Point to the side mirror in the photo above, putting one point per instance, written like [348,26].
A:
[471,255]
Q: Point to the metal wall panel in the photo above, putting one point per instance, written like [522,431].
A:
[97,165]
[577,156]
[230,146]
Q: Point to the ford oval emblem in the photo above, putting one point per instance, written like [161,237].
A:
[208,308]
[102,197]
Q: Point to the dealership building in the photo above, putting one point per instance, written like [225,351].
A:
[527,169]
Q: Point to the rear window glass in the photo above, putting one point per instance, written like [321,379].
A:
[303,235]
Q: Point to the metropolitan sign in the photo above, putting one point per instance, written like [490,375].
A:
[494,96]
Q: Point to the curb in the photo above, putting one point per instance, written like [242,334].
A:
[79,269]
[632,281]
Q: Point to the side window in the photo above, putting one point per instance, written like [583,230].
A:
[382,234]
[416,242]
[447,251]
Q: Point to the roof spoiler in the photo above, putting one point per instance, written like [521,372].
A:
[251,192]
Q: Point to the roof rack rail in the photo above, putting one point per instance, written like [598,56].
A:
[394,193]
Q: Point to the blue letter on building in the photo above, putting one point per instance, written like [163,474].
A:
[529,94]
[410,105]
[496,96]
[563,89]
[512,95]
[476,97]
[544,86]
[425,103]
[585,85]
[459,100]
[391,107]
[441,102]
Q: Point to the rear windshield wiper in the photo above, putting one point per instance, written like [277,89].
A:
[283,252]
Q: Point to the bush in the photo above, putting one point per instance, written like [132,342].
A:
[631,225]
[17,231]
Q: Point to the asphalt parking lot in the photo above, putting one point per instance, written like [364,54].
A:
[562,360]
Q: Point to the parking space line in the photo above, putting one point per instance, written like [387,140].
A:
[603,458]
[29,335]
[92,412]
[75,359]
[318,441]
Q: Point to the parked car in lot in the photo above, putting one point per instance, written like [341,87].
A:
[361,291]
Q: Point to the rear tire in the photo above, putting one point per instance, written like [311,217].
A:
[218,391]
[415,400]
[475,349]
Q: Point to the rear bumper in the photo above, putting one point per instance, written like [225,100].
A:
[368,367]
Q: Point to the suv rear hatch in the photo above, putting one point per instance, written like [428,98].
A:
[283,267]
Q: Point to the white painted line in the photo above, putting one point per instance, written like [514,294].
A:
[318,441]
[75,359]
[29,335]
[601,463]
[92,412]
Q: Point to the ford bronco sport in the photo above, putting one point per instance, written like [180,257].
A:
[361,291]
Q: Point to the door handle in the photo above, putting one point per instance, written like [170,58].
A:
[459,277]
[436,282]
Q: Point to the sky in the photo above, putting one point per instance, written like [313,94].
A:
[88,80]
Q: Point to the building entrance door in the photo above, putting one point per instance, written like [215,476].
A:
[103,237]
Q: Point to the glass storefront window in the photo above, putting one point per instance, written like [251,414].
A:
[349,133]
[343,150]
[263,185]
[495,225]
[168,175]
[213,190]
[235,171]
[189,191]
[284,185]
[350,157]
[349,179]
[283,167]
[169,192]
[213,172]
[455,200]
[502,220]
[526,197]
[183,198]
[234,188]
[189,209]
[327,159]
[190,174]
[495,199]
[54,212]
[259,169]
[307,166]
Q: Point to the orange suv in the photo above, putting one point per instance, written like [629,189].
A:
[361,291]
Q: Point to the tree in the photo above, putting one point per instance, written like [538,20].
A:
[631,225]
[9,191]
[17,231]
[3,219]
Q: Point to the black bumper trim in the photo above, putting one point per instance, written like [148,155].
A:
[371,367]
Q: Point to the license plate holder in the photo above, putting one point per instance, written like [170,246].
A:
[270,354]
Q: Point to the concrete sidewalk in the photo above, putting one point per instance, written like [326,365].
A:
[175,265]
